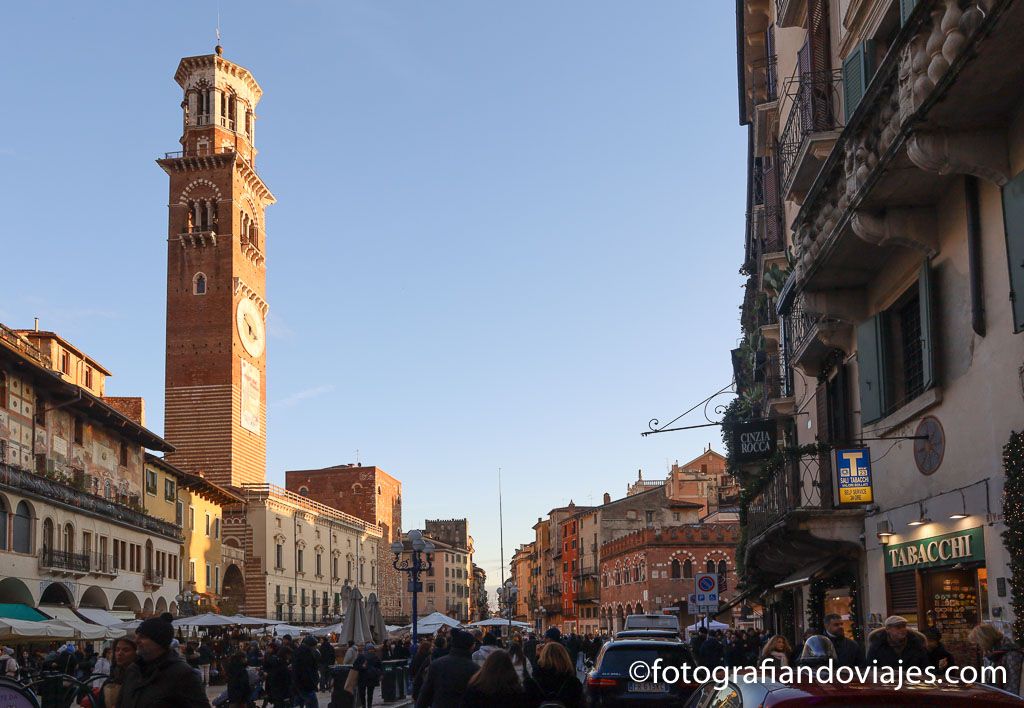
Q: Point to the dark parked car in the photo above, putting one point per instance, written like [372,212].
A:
[648,634]
[609,683]
[778,695]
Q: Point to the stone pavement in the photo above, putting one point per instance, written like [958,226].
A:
[324,696]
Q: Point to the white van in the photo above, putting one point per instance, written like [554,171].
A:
[667,623]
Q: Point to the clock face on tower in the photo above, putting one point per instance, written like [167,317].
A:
[249,321]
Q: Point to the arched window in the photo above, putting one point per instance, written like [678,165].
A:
[199,284]
[48,535]
[21,541]
[676,569]
[688,568]
[304,491]
[4,514]
[722,567]
[710,567]
[69,538]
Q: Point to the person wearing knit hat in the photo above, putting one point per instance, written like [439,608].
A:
[163,679]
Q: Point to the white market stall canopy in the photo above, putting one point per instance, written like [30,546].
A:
[12,630]
[499,622]
[329,629]
[99,616]
[433,622]
[83,629]
[251,621]
[209,619]
[708,624]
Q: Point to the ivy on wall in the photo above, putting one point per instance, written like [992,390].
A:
[1013,516]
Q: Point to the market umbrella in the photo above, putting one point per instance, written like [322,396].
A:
[499,622]
[329,629]
[251,621]
[356,627]
[375,618]
[433,622]
[209,619]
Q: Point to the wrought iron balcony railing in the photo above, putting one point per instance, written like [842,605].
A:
[813,98]
[54,492]
[200,152]
[802,483]
[152,576]
[67,561]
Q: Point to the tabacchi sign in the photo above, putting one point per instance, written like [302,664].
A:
[947,549]
[755,440]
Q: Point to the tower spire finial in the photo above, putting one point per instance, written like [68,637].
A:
[219,49]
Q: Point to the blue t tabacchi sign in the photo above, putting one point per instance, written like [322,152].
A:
[853,476]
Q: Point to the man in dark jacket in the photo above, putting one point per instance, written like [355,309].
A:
[326,659]
[448,676]
[164,680]
[306,673]
[895,642]
[848,652]
[712,651]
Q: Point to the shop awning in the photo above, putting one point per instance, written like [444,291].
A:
[99,616]
[20,611]
[806,574]
[739,599]
[83,629]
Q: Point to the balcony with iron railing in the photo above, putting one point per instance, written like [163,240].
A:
[51,491]
[792,520]
[802,483]
[153,577]
[64,562]
[764,72]
[812,127]
[811,336]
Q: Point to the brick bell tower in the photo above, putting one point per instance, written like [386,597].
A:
[215,383]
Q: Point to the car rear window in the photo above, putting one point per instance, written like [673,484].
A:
[617,660]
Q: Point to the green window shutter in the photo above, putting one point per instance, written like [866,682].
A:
[1013,219]
[871,369]
[924,299]
[857,70]
[906,8]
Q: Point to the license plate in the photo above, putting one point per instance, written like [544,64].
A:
[647,687]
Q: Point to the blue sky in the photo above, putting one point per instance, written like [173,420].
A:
[507,234]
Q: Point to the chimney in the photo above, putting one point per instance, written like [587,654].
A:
[36,325]
[607,498]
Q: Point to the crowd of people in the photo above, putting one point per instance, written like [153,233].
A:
[453,668]
[895,645]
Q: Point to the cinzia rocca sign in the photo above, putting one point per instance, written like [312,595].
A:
[948,549]
[754,440]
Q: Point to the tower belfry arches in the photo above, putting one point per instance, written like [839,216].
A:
[216,355]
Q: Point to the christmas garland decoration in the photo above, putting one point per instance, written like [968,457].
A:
[816,601]
[1013,516]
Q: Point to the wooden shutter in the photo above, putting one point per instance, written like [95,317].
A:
[924,298]
[906,8]
[1013,219]
[870,369]
[857,71]
[772,207]
[820,57]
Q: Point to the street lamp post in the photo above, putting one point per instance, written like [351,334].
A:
[413,566]
[187,603]
[507,596]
